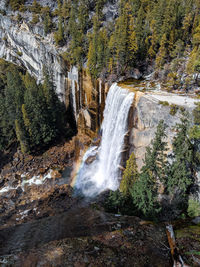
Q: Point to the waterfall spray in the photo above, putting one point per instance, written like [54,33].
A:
[103,172]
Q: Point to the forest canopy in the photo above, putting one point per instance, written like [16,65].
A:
[140,32]
[30,113]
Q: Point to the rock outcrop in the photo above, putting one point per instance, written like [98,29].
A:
[87,98]
[148,111]
[27,46]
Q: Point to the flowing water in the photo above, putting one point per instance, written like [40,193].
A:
[103,173]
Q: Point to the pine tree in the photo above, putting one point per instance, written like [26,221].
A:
[130,176]
[47,23]
[14,95]
[59,34]
[184,162]
[21,137]
[145,190]
[36,7]
[161,57]
[93,47]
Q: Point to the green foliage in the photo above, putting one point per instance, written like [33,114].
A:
[130,176]
[21,137]
[145,194]
[36,7]
[172,174]
[195,132]
[145,190]
[193,208]
[163,103]
[35,19]
[59,34]
[184,160]
[196,114]
[143,31]
[173,109]
[29,112]
[15,4]
[47,23]
[117,203]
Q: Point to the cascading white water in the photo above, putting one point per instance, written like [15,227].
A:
[103,172]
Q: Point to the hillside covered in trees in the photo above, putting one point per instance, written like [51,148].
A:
[140,33]
[29,113]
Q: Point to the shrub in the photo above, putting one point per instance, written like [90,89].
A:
[193,208]
[173,109]
[164,103]
[15,4]
[19,53]
[35,19]
[182,109]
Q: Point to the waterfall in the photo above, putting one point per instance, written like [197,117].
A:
[103,173]
[73,77]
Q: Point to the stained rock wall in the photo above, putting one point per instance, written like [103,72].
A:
[28,47]
[87,98]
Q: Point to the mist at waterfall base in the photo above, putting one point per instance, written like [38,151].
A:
[103,173]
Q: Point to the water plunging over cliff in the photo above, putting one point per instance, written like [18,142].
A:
[103,172]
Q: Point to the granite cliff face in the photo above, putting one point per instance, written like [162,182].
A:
[147,113]
[28,47]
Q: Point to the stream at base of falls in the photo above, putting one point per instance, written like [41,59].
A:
[103,173]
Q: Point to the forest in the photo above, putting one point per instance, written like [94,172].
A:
[162,187]
[30,113]
[144,32]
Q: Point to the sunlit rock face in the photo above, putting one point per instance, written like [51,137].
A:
[28,47]
[147,113]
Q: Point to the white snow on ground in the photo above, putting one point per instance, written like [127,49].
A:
[34,180]
[175,99]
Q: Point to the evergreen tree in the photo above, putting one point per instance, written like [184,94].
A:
[161,57]
[47,21]
[36,116]
[36,7]
[184,161]
[130,176]
[21,137]
[59,34]
[14,96]
[92,52]
[145,190]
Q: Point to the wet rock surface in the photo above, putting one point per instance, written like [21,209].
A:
[14,164]
[33,187]
[85,237]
